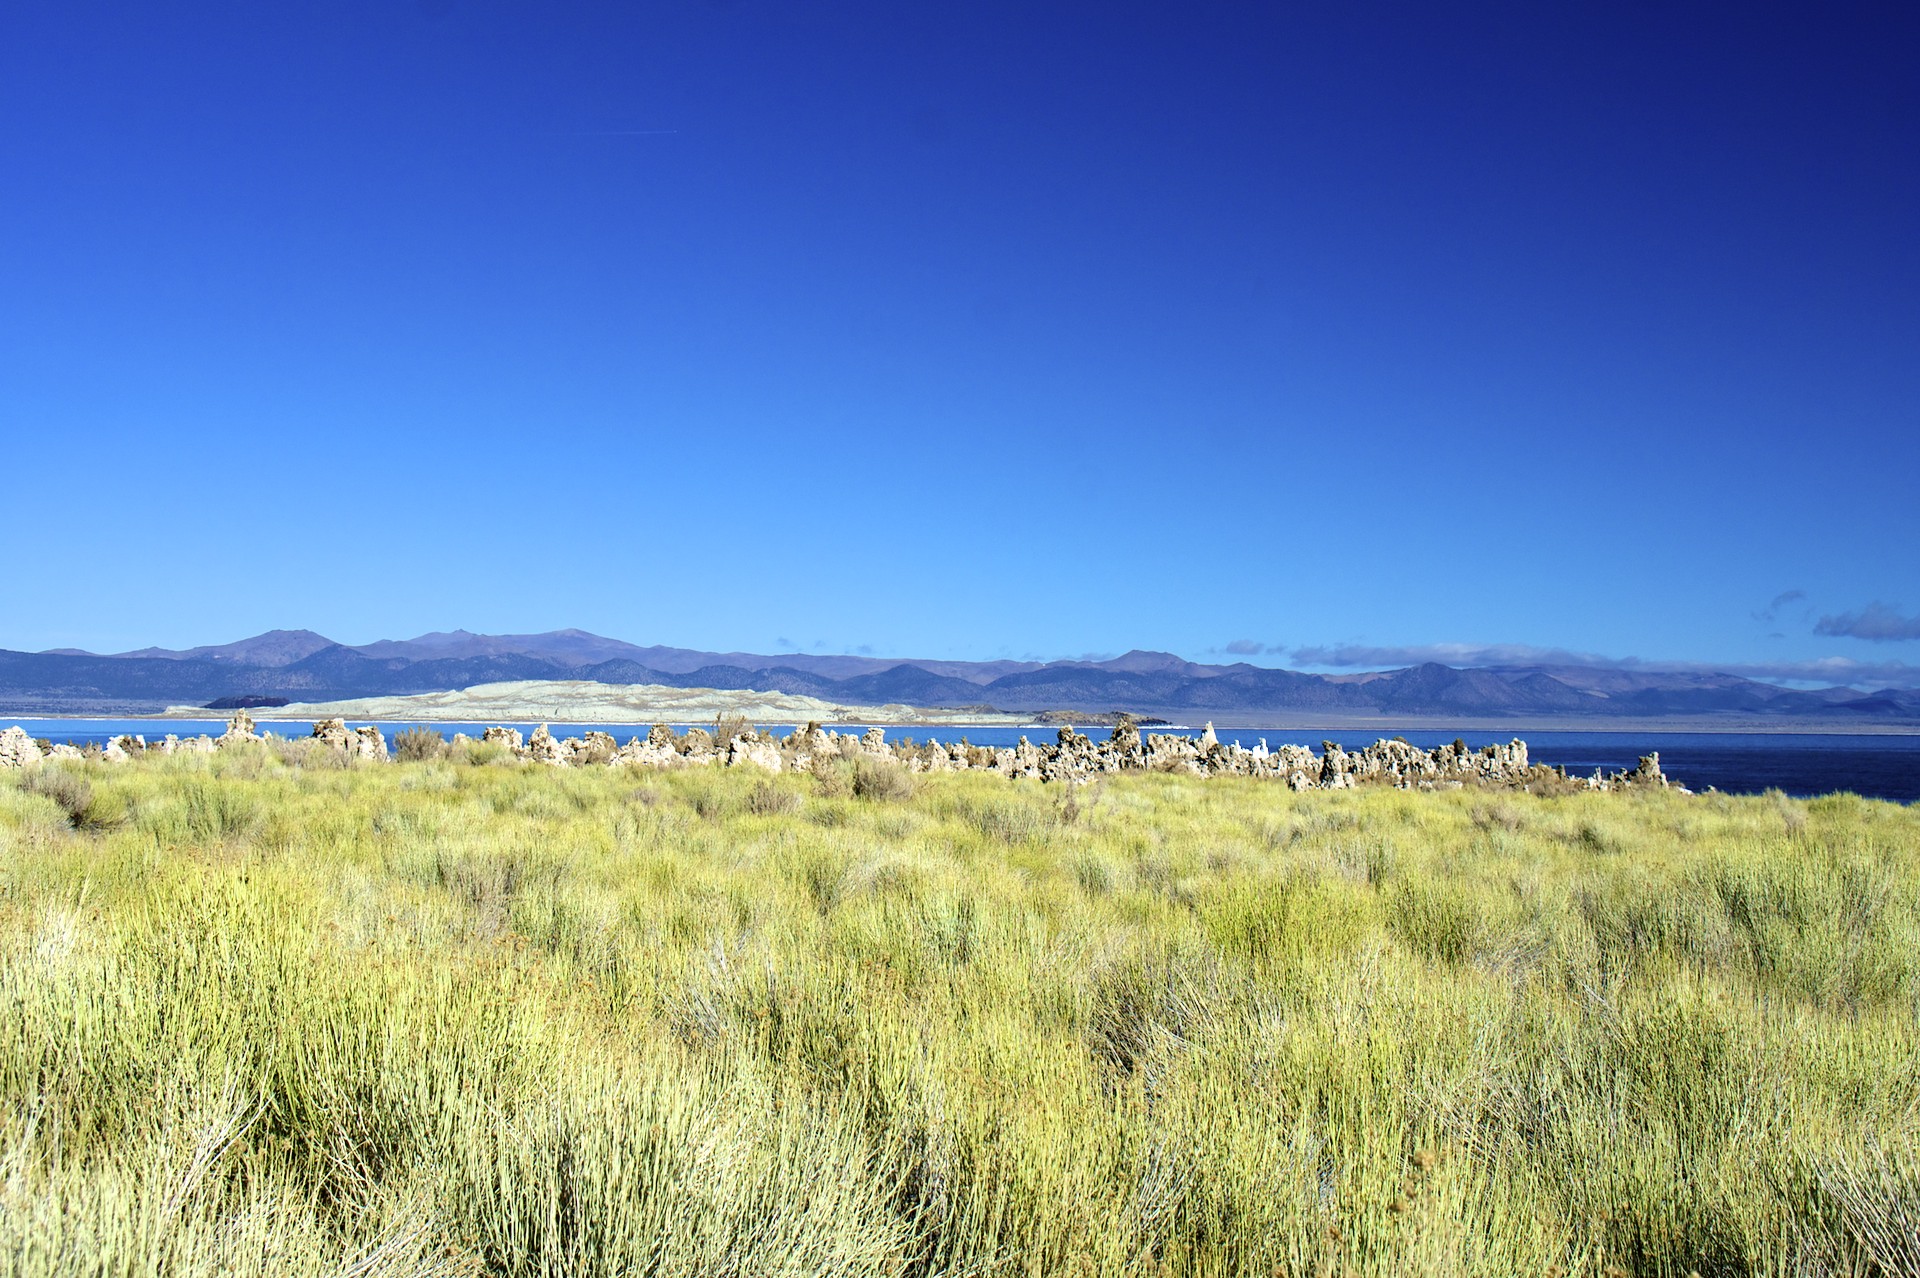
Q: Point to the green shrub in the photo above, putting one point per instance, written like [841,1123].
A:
[881,780]
[480,754]
[307,753]
[85,807]
[70,792]
[769,798]
[419,744]
[712,794]
[216,809]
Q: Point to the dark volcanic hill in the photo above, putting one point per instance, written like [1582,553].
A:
[303,666]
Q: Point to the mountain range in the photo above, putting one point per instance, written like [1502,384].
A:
[304,666]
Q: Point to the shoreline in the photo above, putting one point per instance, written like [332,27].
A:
[1225,722]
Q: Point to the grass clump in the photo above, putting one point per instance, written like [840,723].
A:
[428,1019]
[881,780]
[769,798]
[83,806]
[419,744]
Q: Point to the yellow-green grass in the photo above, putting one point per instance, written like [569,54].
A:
[262,1016]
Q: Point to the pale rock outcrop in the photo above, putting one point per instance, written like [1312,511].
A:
[811,746]
[1169,753]
[356,743]
[1645,773]
[760,754]
[239,731]
[335,733]
[1292,758]
[508,737]
[930,757]
[592,750]
[1072,758]
[1335,770]
[648,753]
[1026,761]
[17,749]
[542,748]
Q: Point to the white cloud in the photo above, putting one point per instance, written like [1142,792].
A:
[1819,670]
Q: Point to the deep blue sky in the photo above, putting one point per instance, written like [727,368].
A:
[966,330]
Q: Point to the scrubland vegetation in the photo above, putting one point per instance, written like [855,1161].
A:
[261,1013]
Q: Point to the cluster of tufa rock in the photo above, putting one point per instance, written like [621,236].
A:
[18,750]
[1072,757]
[361,743]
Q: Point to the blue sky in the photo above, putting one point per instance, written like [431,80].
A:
[1328,337]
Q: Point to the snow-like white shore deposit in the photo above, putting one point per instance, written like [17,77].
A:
[583,701]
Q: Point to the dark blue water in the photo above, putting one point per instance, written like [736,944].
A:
[1801,764]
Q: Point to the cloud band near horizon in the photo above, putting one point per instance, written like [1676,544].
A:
[1876,623]
[1824,670]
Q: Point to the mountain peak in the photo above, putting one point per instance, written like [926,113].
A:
[1146,661]
[269,648]
[567,647]
[282,662]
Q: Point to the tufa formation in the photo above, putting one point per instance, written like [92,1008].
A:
[1072,757]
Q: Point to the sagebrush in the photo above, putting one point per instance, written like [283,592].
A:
[439,1018]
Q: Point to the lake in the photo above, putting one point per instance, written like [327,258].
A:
[1801,764]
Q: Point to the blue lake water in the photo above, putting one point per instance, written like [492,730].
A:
[1801,764]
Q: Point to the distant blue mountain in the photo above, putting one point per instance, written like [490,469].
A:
[303,666]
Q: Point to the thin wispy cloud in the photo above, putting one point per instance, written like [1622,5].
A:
[1877,623]
[1450,654]
[1825,670]
[1785,599]
[1818,670]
